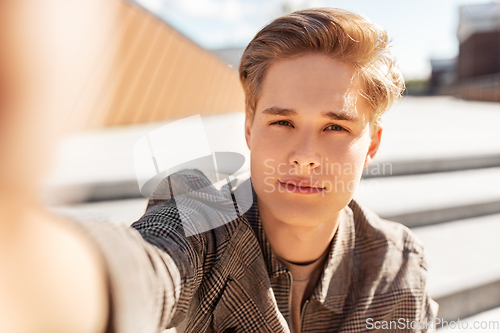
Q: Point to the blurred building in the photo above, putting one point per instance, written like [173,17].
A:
[158,74]
[475,73]
[443,74]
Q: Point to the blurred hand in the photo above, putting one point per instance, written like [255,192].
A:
[51,277]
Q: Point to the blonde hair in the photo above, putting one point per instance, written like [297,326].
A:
[341,35]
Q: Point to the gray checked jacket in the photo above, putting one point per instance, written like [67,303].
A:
[185,262]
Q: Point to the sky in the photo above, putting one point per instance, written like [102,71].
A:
[420,30]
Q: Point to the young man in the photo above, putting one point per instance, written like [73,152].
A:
[305,257]
[300,254]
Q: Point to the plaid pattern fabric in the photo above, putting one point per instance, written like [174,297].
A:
[230,280]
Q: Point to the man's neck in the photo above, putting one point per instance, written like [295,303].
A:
[298,244]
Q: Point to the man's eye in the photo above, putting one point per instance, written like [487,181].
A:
[335,128]
[282,123]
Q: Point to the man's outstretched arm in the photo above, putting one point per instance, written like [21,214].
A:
[65,276]
[57,275]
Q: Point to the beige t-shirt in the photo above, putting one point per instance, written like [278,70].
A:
[304,280]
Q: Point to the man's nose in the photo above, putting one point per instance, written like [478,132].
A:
[305,151]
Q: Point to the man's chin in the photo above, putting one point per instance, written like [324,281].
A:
[294,208]
[299,214]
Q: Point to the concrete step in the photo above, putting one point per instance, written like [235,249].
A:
[426,199]
[425,165]
[439,127]
[484,322]
[417,200]
[464,265]
[463,256]
[118,211]
[99,165]
[421,135]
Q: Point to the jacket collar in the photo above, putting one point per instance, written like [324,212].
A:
[273,265]
[334,283]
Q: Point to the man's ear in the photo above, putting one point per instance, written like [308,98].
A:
[376,137]
[248,127]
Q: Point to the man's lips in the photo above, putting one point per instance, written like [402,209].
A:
[302,183]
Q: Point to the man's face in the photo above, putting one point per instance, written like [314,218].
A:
[309,140]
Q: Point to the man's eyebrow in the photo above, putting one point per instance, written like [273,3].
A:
[338,116]
[276,111]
